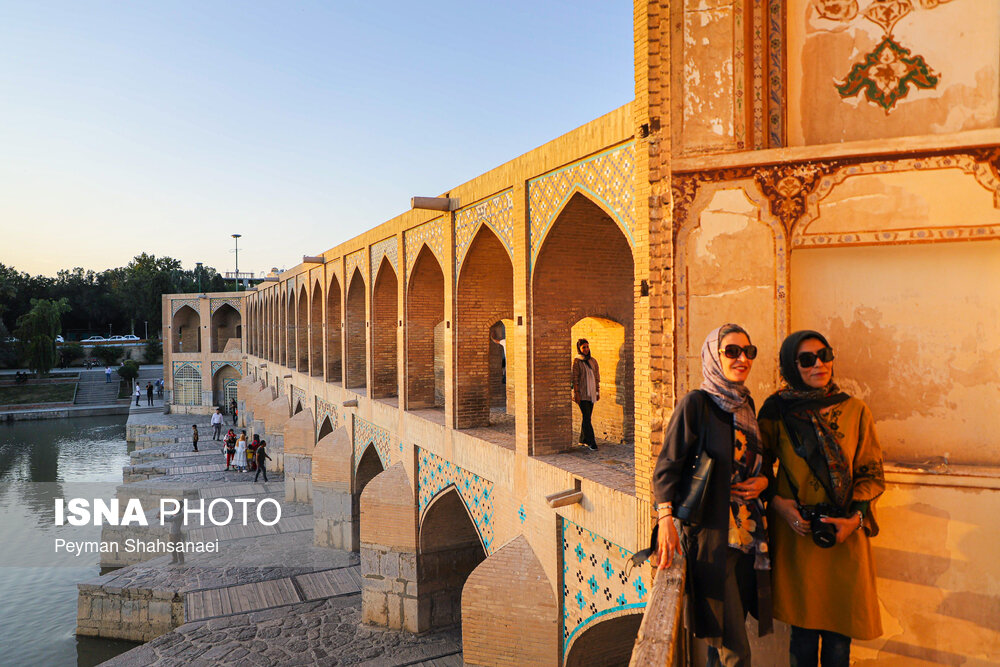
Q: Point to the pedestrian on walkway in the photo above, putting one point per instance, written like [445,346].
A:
[240,461]
[107,375]
[586,391]
[230,447]
[149,393]
[194,436]
[252,453]
[138,393]
[159,388]
[217,424]
[232,409]
[261,457]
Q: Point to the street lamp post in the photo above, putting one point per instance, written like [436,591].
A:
[236,237]
[146,337]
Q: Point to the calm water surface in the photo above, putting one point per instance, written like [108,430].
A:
[41,461]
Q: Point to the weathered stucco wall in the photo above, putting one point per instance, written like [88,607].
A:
[951,82]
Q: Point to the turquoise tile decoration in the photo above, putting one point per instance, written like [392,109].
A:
[435,475]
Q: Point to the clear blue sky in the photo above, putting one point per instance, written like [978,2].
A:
[167,126]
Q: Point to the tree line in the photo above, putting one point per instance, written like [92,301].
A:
[120,300]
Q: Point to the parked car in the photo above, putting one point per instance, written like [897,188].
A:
[130,337]
[117,338]
[59,339]
[94,339]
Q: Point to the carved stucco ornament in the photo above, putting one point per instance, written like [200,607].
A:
[886,74]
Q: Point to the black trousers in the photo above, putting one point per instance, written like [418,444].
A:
[587,436]
[260,469]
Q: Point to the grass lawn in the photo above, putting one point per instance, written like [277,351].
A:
[39,393]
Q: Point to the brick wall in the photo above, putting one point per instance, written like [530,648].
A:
[385,315]
[584,269]
[424,310]
[316,332]
[225,322]
[302,332]
[356,332]
[614,417]
[509,612]
[485,296]
[334,333]
[282,329]
[186,330]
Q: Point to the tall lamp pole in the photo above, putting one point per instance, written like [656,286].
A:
[237,239]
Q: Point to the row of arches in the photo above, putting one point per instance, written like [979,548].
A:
[356,335]
[226,330]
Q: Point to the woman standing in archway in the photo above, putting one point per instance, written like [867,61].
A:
[727,556]
[586,391]
[829,476]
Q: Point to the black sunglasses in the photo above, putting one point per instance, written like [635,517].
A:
[733,351]
[808,359]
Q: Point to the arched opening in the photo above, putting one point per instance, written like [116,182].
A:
[290,338]
[356,332]
[226,322]
[369,465]
[302,332]
[282,320]
[424,352]
[334,333]
[297,409]
[609,642]
[325,429]
[187,386]
[384,329]
[485,297]
[613,417]
[450,549]
[186,329]
[501,390]
[316,331]
[224,384]
[584,269]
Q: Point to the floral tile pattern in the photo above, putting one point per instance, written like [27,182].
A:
[387,248]
[356,260]
[234,301]
[595,586]
[435,475]
[608,177]
[497,213]
[216,365]
[367,433]
[298,396]
[326,410]
[885,75]
[433,234]
[177,304]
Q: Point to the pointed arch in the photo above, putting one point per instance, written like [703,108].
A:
[316,330]
[186,330]
[385,311]
[485,296]
[334,332]
[226,325]
[424,338]
[325,429]
[585,268]
[369,465]
[283,327]
[355,326]
[302,330]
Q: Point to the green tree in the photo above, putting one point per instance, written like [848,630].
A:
[154,351]
[128,372]
[108,355]
[70,352]
[37,329]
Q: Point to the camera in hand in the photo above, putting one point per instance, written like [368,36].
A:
[823,534]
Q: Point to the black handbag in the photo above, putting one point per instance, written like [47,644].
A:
[699,473]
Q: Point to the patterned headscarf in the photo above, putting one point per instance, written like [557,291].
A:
[733,397]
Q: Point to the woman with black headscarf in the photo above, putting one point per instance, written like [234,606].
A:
[829,476]
[727,559]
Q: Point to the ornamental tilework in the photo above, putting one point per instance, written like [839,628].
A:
[216,365]
[356,260]
[325,410]
[195,365]
[496,212]
[298,396]
[435,475]
[432,233]
[177,304]
[234,301]
[367,433]
[387,248]
[606,177]
[595,586]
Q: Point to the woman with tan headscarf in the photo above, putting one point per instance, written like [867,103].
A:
[829,476]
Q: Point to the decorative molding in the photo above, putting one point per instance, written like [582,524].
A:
[177,304]
[595,584]
[776,73]
[497,213]
[387,248]
[436,475]
[194,365]
[433,234]
[607,177]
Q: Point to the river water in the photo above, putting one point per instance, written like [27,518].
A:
[39,462]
